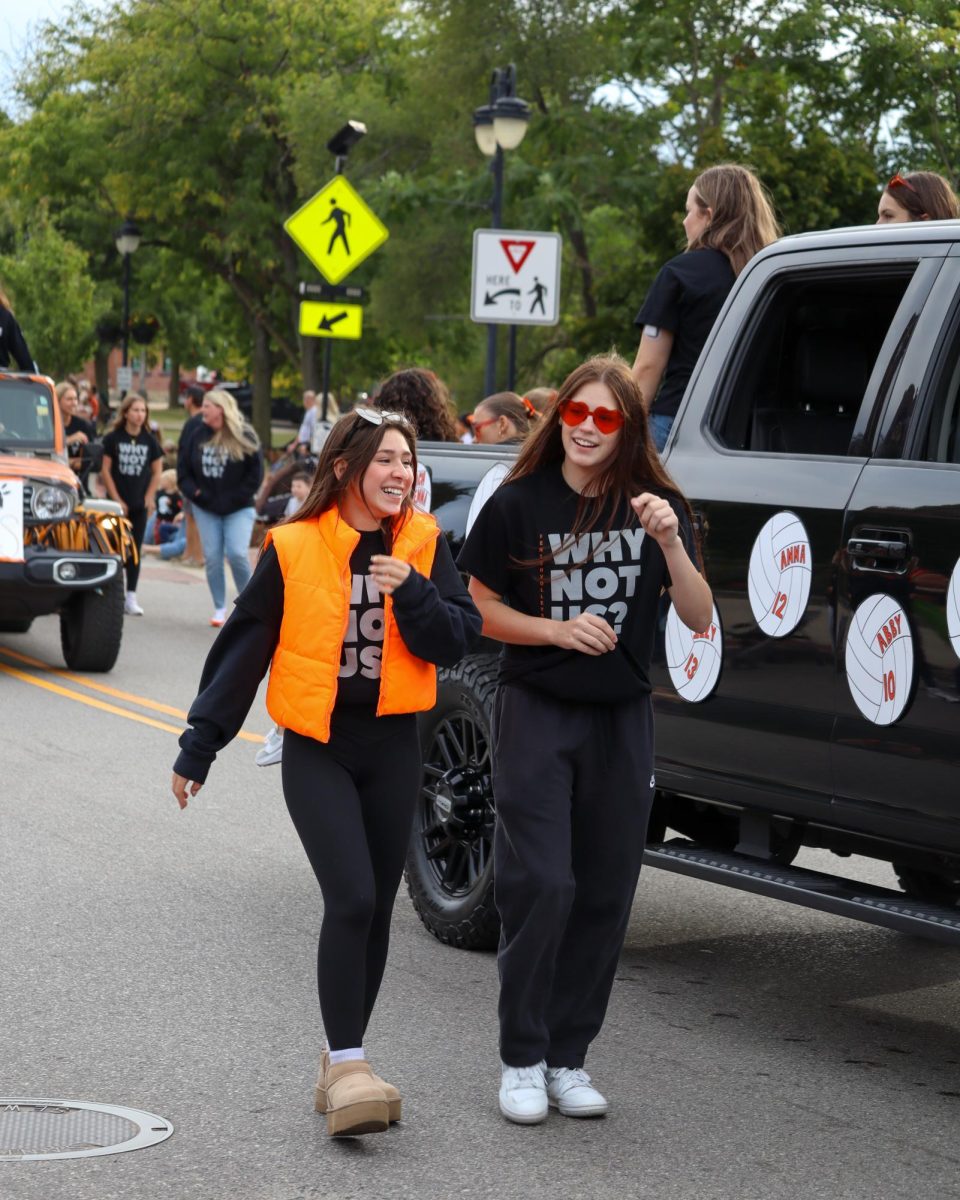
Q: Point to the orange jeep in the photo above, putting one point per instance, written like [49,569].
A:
[59,551]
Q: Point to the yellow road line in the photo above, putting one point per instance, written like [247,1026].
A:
[86,682]
[101,704]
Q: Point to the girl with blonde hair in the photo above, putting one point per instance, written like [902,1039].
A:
[729,218]
[220,468]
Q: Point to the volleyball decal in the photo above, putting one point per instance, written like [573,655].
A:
[879,659]
[780,571]
[953,609]
[694,659]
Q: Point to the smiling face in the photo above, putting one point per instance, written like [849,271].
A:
[588,451]
[68,403]
[697,218]
[889,212]
[384,486]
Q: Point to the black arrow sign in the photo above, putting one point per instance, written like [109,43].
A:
[328,322]
[488,299]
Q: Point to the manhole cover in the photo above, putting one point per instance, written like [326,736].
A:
[74,1129]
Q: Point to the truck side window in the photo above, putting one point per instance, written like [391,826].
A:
[799,378]
[941,438]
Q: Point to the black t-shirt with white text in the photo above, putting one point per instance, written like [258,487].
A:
[359,674]
[685,299]
[618,576]
[131,463]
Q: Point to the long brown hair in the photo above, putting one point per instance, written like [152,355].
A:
[423,398]
[743,220]
[924,195]
[354,441]
[125,405]
[634,468]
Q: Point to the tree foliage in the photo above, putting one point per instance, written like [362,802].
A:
[209,121]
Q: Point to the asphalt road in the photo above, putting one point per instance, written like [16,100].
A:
[165,960]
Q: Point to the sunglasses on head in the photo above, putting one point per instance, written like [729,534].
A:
[376,416]
[899,181]
[575,412]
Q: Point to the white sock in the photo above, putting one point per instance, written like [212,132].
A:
[132,596]
[354,1054]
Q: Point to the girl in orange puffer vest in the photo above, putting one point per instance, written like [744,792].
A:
[354,602]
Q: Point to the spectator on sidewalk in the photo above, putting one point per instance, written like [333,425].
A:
[193,403]
[219,470]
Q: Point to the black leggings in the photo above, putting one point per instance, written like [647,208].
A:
[352,801]
[138,519]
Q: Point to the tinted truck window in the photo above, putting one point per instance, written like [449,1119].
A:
[802,371]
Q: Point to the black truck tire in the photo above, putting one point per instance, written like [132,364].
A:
[16,625]
[449,866]
[91,627]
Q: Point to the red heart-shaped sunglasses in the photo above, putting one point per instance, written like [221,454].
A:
[575,412]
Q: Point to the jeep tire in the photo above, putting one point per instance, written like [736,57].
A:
[449,867]
[91,627]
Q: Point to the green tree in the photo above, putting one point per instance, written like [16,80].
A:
[54,297]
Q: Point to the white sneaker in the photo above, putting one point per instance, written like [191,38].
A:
[523,1094]
[569,1089]
[219,617]
[131,607]
[272,749]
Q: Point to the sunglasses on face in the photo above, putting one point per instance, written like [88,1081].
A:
[575,412]
[476,425]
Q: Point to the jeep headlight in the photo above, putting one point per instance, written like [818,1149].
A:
[52,503]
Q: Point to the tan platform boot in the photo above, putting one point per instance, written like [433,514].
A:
[353,1102]
[320,1095]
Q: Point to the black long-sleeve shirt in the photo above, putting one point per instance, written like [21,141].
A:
[436,617]
[211,480]
[13,345]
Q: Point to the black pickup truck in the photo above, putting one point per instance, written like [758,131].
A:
[819,445]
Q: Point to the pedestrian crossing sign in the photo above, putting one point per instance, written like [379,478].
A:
[323,319]
[336,229]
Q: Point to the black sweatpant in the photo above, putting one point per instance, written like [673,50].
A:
[138,519]
[572,784]
[352,801]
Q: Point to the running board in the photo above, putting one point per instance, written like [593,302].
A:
[797,885]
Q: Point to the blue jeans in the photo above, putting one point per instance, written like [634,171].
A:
[660,426]
[173,536]
[225,536]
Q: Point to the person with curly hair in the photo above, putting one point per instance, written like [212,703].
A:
[422,397]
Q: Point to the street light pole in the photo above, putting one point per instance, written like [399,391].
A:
[127,239]
[498,126]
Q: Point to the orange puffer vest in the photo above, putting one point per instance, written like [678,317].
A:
[314,559]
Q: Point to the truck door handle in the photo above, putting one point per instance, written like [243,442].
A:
[882,556]
[892,551]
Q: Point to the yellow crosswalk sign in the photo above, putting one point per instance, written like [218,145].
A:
[336,229]
[323,319]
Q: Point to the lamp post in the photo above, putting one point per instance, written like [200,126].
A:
[127,241]
[498,126]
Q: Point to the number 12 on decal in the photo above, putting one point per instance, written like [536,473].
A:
[779,606]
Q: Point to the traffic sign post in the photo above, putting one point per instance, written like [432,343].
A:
[516,277]
[336,229]
[331,320]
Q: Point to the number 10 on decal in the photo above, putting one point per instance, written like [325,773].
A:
[889,686]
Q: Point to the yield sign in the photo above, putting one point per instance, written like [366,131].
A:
[517,251]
